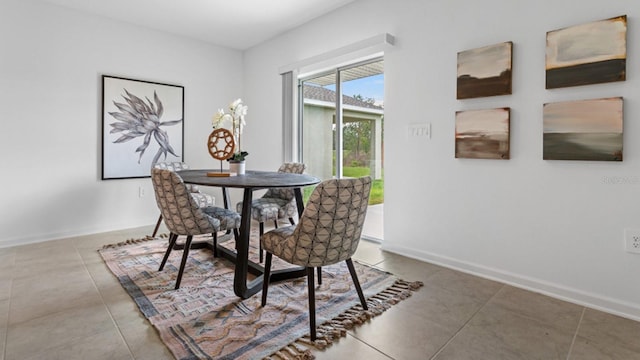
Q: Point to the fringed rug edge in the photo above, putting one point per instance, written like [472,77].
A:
[332,330]
[133,241]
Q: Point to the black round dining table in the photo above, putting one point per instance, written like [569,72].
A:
[250,182]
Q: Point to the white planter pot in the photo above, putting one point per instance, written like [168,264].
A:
[236,167]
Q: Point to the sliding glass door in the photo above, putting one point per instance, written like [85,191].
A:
[341,117]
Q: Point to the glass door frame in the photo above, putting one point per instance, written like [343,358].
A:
[339,109]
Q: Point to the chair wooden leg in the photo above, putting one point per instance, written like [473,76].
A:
[266,278]
[260,241]
[312,304]
[185,254]
[215,244]
[319,275]
[354,276]
[155,230]
[172,242]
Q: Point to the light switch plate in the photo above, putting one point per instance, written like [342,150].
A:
[421,130]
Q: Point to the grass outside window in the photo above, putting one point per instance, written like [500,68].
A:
[377,188]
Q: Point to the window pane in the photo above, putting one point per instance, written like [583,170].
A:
[362,89]
[318,127]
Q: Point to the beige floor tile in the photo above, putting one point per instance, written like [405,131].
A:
[44,259]
[585,349]
[103,278]
[557,313]
[406,268]
[606,336]
[122,308]
[120,304]
[369,253]
[90,255]
[144,341]
[7,261]
[50,280]
[403,335]
[107,345]
[349,348]
[33,337]
[498,333]
[4,312]
[5,287]
[443,306]
[464,284]
[45,302]
[3,333]
[40,250]
[7,257]
[4,315]
[56,290]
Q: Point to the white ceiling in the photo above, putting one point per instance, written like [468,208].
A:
[238,24]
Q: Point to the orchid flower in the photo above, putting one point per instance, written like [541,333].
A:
[220,117]
[237,112]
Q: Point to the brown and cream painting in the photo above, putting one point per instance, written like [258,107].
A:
[590,53]
[485,71]
[583,130]
[483,134]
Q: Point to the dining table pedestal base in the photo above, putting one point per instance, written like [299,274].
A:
[250,182]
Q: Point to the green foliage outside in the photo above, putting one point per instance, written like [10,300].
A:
[377,188]
[357,136]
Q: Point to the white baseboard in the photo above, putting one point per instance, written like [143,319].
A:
[591,300]
[34,239]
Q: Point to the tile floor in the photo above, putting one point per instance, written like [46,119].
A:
[59,301]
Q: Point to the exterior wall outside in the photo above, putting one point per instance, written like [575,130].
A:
[318,141]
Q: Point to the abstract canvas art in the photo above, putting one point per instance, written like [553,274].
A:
[483,134]
[590,53]
[142,124]
[583,130]
[485,71]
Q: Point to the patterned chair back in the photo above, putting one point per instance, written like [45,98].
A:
[180,211]
[331,225]
[285,193]
[177,166]
[173,166]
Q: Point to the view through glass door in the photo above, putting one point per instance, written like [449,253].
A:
[342,136]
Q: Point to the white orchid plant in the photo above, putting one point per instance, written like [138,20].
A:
[235,118]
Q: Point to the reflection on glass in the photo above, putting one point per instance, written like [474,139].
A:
[362,106]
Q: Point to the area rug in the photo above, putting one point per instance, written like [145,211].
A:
[204,319]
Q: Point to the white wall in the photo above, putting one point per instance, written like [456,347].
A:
[552,226]
[51,62]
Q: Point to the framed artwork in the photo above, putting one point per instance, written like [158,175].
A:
[483,134]
[485,71]
[590,53]
[142,124]
[583,130]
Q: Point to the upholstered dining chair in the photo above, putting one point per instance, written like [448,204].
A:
[276,203]
[203,199]
[184,216]
[327,232]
